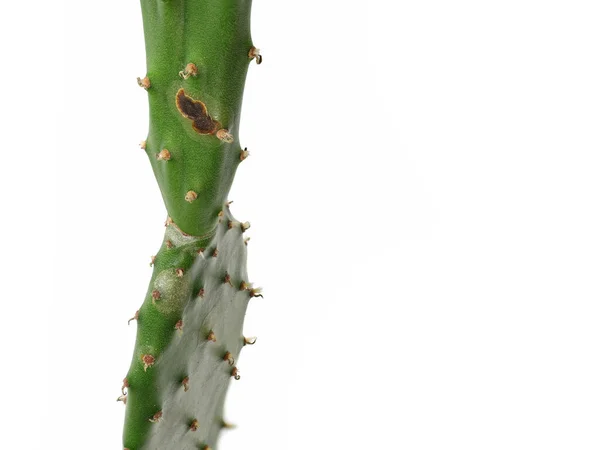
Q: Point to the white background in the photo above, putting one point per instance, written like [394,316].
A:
[423,191]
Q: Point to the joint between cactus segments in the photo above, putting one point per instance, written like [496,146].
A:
[224,135]
[190,71]
[254,53]
[144,82]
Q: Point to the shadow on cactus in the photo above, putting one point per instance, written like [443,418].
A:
[189,333]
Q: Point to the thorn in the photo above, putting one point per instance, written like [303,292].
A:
[206,447]
[156,417]
[227,279]
[125,386]
[227,425]
[186,384]
[229,203]
[148,361]
[155,295]
[224,135]
[220,216]
[246,241]
[201,293]
[190,196]
[245,226]
[190,71]
[250,340]
[201,252]
[152,260]
[211,336]
[245,153]
[144,82]
[123,398]
[169,221]
[254,53]
[163,155]
[231,224]
[143,145]
[229,358]
[215,253]
[256,292]
[179,273]
[243,286]
[169,244]
[235,374]
[194,425]
[179,325]
[136,316]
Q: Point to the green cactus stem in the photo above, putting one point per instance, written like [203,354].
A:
[189,333]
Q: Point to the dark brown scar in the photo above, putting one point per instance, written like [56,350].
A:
[196,111]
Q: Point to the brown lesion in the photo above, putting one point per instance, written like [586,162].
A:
[196,111]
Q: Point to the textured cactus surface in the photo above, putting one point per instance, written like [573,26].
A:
[189,334]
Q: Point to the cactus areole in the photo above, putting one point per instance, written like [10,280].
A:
[189,327]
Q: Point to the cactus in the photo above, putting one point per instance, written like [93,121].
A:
[189,327]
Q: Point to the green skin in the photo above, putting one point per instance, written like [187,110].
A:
[190,325]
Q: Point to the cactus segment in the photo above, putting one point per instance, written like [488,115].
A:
[189,327]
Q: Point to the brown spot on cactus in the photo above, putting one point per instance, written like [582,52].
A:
[246,241]
[215,253]
[163,155]
[206,447]
[169,221]
[143,145]
[156,417]
[194,425]
[186,384]
[227,425]
[250,340]
[244,154]
[169,244]
[179,272]
[190,71]
[148,361]
[201,293]
[155,295]
[125,386]
[190,196]
[196,111]
[152,260]
[254,53]
[235,373]
[227,279]
[243,286]
[144,82]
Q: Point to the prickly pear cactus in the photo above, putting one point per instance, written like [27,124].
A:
[189,333]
